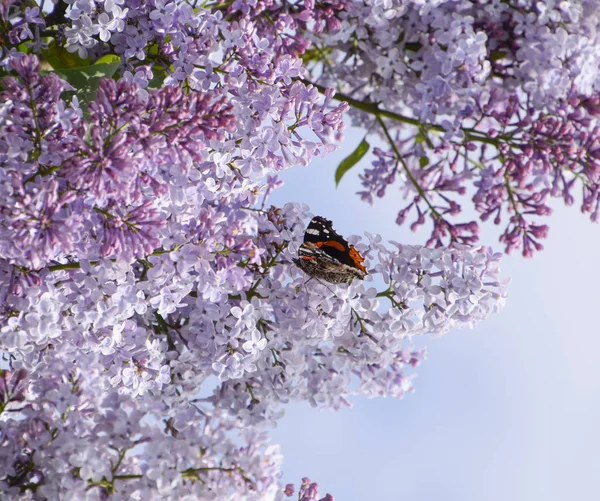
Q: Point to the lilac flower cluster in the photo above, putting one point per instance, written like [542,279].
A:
[435,58]
[135,267]
[309,491]
[526,158]
[20,23]
[468,92]
[117,354]
[149,306]
[436,67]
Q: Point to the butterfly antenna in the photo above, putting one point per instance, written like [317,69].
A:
[291,239]
[306,288]
[296,249]
[327,287]
[291,242]
[321,282]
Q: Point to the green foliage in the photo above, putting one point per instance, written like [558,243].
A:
[159,75]
[86,79]
[316,54]
[351,160]
[58,57]
[80,73]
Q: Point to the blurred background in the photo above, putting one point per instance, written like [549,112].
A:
[507,411]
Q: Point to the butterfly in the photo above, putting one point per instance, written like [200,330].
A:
[325,254]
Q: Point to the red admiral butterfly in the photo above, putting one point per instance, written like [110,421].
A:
[327,255]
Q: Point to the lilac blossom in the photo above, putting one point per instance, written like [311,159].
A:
[148,274]
[268,342]
[116,227]
[466,93]
[149,303]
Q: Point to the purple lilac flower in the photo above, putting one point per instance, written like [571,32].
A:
[149,300]
[471,93]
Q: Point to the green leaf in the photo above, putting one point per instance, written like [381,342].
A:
[423,161]
[25,47]
[159,77]
[107,59]
[351,160]
[86,79]
[153,49]
[316,55]
[58,57]
[498,54]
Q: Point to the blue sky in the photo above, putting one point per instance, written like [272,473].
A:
[507,411]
